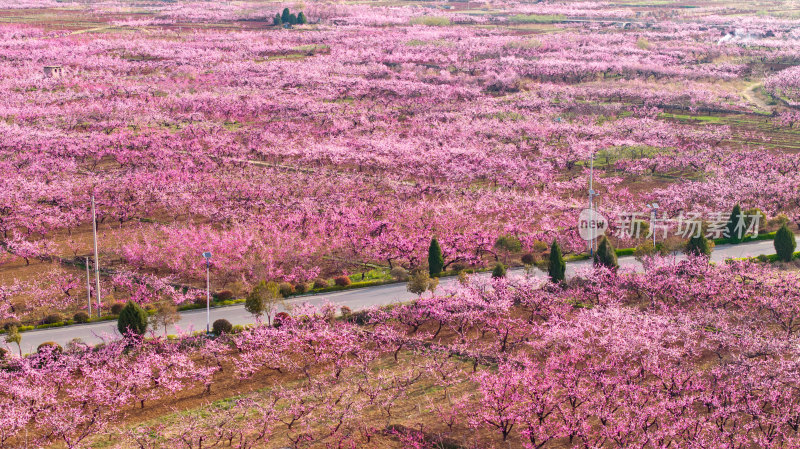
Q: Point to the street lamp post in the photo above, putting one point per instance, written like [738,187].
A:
[207,257]
[592,194]
[88,287]
[654,211]
[96,258]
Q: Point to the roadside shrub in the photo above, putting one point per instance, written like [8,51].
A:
[606,256]
[499,271]
[360,318]
[673,244]
[785,244]
[342,281]
[53,318]
[508,243]
[320,283]
[132,318]
[49,346]
[81,317]
[346,311]
[699,246]
[222,326]
[76,345]
[3,353]
[285,288]
[644,249]
[13,323]
[280,319]
[762,218]
[399,274]
[528,259]
[419,282]
[777,221]
[117,307]
[540,246]
[223,295]
[458,267]
[301,287]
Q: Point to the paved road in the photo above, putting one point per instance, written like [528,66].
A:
[355,299]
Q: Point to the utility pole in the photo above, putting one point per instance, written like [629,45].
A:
[592,194]
[88,287]
[207,257]
[654,211]
[96,258]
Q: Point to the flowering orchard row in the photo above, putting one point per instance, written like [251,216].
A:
[684,355]
[363,134]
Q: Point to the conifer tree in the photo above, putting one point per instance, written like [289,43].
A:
[733,222]
[606,255]
[556,268]
[499,271]
[699,246]
[132,319]
[785,243]
[435,258]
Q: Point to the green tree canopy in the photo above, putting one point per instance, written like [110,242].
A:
[132,319]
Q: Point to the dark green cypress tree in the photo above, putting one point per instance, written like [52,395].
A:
[285,15]
[699,246]
[606,255]
[132,319]
[556,268]
[785,244]
[733,221]
[301,18]
[292,19]
[435,258]
[277,20]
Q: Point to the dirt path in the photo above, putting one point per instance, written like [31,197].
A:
[754,98]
